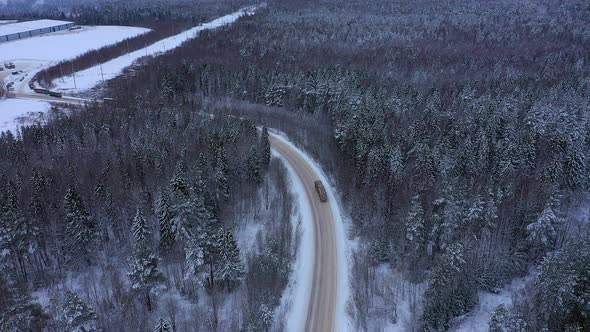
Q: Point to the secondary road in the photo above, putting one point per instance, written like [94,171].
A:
[321,312]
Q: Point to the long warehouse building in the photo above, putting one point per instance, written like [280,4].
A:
[20,30]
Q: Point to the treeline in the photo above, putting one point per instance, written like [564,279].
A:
[112,12]
[95,57]
[162,26]
[463,133]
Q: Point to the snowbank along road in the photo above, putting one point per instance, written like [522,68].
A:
[321,311]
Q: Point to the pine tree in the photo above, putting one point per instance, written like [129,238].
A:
[141,233]
[76,315]
[504,321]
[17,235]
[542,234]
[415,225]
[253,165]
[144,274]
[220,177]
[163,326]
[231,270]
[265,147]
[178,184]
[167,87]
[168,230]
[449,294]
[81,233]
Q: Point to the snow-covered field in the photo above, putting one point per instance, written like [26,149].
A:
[16,112]
[89,78]
[31,55]
[63,45]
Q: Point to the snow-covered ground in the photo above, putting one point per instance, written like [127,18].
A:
[31,55]
[63,45]
[479,319]
[89,78]
[18,112]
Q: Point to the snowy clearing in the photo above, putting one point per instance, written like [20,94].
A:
[296,318]
[17,112]
[89,78]
[63,45]
[479,319]
[36,53]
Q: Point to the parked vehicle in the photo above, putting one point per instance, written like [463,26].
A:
[55,94]
[9,65]
[15,73]
[319,187]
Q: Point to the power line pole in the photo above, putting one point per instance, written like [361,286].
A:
[101,73]
[74,75]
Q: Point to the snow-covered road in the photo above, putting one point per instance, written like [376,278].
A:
[321,289]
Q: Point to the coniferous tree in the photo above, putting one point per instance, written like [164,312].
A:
[542,234]
[265,147]
[144,274]
[231,270]
[76,315]
[253,165]
[415,225]
[168,229]
[17,235]
[81,233]
[503,320]
[221,180]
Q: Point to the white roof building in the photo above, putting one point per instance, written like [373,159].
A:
[13,31]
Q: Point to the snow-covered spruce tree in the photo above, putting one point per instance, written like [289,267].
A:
[542,234]
[179,184]
[200,232]
[503,320]
[81,230]
[265,147]
[75,315]
[562,290]
[451,292]
[17,235]
[253,165]
[220,177]
[144,275]
[168,229]
[231,269]
[163,326]
[414,223]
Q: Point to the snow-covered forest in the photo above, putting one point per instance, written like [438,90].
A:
[457,134]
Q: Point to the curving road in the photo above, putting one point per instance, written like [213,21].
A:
[321,312]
